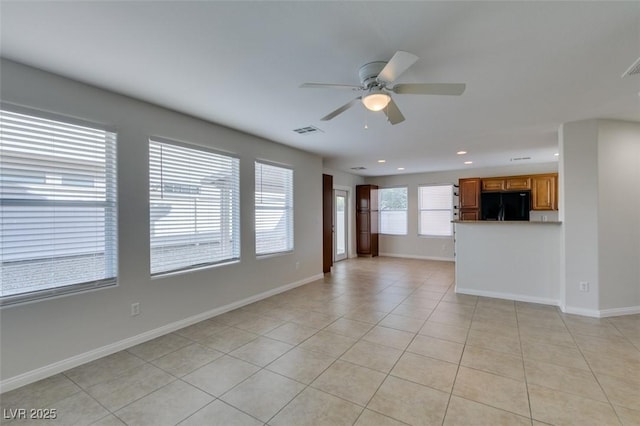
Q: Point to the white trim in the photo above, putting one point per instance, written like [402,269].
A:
[508,296]
[604,313]
[614,312]
[74,361]
[580,311]
[413,256]
[631,310]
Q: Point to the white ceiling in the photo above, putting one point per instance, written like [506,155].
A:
[528,66]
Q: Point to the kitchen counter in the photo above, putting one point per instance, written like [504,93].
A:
[513,260]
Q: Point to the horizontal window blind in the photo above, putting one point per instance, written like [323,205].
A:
[273,209]
[393,210]
[194,198]
[435,210]
[58,212]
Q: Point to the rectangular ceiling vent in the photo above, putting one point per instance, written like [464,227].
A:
[633,69]
[307,130]
[520,158]
[359,168]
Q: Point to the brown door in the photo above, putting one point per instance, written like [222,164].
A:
[327,223]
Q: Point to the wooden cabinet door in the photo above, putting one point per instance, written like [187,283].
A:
[469,215]
[543,192]
[469,193]
[518,183]
[493,184]
[367,219]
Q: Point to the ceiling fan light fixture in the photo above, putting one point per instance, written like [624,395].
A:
[376,100]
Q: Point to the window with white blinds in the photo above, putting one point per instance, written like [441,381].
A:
[435,210]
[58,212]
[274,209]
[194,207]
[393,210]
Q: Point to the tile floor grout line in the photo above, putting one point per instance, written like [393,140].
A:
[464,347]
[524,369]
[595,376]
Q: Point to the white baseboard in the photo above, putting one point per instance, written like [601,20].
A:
[413,256]
[508,296]
[77,360]
[594,313]
[614,312]
[603,313]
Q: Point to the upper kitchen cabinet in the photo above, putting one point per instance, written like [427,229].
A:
[518,183]
[469,198]
[493,184]
[544,192]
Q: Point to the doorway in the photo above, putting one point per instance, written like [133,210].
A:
[340,219]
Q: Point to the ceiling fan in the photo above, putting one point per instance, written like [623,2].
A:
[376,80]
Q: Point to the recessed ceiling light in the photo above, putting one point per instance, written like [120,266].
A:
[557,154]
[382,161]
[468,162]
[400,168]
[461,152]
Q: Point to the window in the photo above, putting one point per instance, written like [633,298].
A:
[274,209]
[194,207]
[58,223]
[435,210]
[393,210]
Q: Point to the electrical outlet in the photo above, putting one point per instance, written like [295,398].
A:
[135,309]
[584,286]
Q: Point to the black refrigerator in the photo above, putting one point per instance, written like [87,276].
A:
[512,205]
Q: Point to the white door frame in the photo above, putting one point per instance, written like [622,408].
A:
[345,224]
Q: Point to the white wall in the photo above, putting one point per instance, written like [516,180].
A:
[516,261]
[579,212]
[600,200]
[618,207]
[37,335]
[412,245]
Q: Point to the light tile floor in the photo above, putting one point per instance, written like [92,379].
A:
[378,342]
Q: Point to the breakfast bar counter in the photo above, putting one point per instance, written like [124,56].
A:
[516,260]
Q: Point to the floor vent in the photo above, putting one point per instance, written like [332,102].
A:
[633,69]
[307,130]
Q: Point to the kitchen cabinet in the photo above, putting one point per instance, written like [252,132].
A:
[518,183]
[367,220]
[493,184]
[544,193]
[469,214]
[469,198]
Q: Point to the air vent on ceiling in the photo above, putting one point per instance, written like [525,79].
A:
[307,130]
[520,158]
[359,168]
[633,69]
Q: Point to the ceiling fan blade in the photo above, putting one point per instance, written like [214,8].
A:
[329,86]
[393,113]
[342,109]
[398,64]
[452,89]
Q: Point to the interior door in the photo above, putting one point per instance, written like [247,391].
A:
[341,225]
[327,223]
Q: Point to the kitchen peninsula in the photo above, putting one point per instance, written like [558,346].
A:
[516,259]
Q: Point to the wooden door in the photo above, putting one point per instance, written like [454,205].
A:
[327,223]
